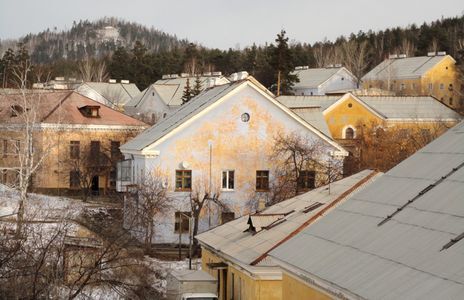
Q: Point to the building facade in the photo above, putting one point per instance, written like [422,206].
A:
[219,144]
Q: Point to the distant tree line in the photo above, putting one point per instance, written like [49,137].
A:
[143,55]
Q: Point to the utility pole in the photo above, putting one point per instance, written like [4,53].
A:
[278,83]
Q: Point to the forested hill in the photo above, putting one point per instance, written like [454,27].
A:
[92,39]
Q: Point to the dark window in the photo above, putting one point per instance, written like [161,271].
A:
[3,176]
[115,153]
[182,221]
[74,149]
[262,180]
[17,146]
[451,100]
[74,179]
[94,148]
[183,180]
[227,216]
[228,180]
[307,180]
[349,133]
[90,111]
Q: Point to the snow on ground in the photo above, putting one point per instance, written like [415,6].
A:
[39,207]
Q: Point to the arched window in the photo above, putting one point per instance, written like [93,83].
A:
[349,133]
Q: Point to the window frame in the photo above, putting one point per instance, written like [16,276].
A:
[262,180]
[228,180]
[74,149]
[181,175]
[182,221]
[305,177]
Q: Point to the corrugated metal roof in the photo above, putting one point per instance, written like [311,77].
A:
[402,68]
[421,107]
[390,107]
[246,247]
[116,93]
[314,117]
[401,259]
[312,78]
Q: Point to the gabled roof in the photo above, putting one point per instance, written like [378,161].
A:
[276,223]
[314,116]
[313,78]
[399,238]
[198,104]
[171,90]
[403,68]
[63,108]
[386,107]
[124,92]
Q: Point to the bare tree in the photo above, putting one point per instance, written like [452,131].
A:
[355,57]
[152,200]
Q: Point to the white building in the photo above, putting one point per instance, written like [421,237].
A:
[219,142]
[321,81]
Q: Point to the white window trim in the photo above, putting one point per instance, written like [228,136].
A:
[344,131]
[227,189]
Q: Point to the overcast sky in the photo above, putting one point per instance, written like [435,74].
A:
[224,24]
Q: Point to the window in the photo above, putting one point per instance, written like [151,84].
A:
[125,168]
[413,86]
[350,105]
[245,117]
[402,86]
[451,100]
[183,180]
[262,180]
[306,180]
[228,179]
[442,86]
[74,149]
[115,153]
[182,221]
[3,176]
[90,111]
[227,216]
[349,133]
[74,181]
[430,86]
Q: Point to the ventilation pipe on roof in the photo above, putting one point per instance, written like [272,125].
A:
[125,81]
[207,74]
[441,53]
[431,54]
[402,56]
[112,81]
[217,73]
[238,76]
[165,76]
[183,75]
[393,56]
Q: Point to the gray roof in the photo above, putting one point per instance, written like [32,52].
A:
[308,101]
[403,68]
[312,78]
[171,90]
[123,91]
[404,258]
[389,107]
[179,116]
[192,275]
[420,107]
[314,116]
[245,247]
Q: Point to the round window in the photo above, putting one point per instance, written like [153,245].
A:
[245,117]
[350,105]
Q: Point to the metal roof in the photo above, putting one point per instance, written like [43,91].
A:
[390,107]
[312,78]
[314,117]
[124,92]
[420,107]
[233,240]
[402,68]
[349,253]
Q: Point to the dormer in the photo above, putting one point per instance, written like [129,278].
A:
[90,111]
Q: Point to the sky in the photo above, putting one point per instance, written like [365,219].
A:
[229,24]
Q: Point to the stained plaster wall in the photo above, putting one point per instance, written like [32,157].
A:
[221,137]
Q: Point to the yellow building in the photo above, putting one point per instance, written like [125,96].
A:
[236,253]
[69,132]
[433,75]
[359,123]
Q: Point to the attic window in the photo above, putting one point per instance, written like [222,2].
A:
[245,117]
[343,78]
[350,105]
[90,111]
[16,110]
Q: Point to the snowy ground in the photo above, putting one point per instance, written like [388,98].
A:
[46,211]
